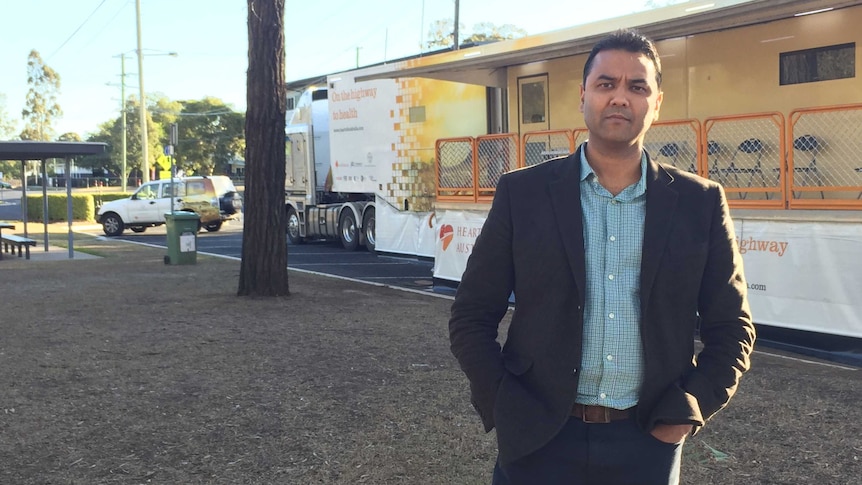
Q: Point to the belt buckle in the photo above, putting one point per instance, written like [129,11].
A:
[591,416]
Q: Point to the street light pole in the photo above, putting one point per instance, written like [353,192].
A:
[123,175]
[145,162]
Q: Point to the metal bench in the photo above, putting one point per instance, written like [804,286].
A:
[12,242]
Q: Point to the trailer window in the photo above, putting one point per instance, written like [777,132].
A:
[417,114]
[533,102]
[820,64]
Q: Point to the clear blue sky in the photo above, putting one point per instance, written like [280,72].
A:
[82,41]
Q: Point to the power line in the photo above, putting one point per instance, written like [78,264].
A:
[76,30]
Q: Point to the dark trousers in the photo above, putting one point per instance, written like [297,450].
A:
[615,453]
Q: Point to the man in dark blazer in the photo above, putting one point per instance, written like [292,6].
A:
[615,263]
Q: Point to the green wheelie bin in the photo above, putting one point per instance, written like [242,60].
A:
[182,229]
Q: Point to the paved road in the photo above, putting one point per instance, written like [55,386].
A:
[320,257]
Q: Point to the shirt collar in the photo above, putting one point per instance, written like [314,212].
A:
[587,170]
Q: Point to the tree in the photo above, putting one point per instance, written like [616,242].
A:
[69,136]
[488,32]
[40,107]
[263,270]
[7,124]
[210,136]
[441,33]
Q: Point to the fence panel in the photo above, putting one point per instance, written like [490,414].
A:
[541,146]
[825,157]
[496,155]
[746,154]
[580,135]
[456,172]
[676,143]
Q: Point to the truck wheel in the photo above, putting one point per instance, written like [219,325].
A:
[347,230]
[112,224]
[138,229]
[213,226]
[369,230]
[293,222]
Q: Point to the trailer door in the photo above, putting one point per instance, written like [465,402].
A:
[533,107]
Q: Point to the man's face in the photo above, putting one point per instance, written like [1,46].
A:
[620,98]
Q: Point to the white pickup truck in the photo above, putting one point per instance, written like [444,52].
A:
[213,198]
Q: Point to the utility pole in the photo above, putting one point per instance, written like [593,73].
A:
[123,175]
[145,162]
[457,14]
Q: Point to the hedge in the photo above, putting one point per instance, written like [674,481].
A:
[83,207]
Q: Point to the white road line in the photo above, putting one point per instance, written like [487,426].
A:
[448,297]
[806,361]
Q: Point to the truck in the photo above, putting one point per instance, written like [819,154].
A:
[354,149]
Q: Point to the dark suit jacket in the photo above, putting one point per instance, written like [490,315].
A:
[532,243]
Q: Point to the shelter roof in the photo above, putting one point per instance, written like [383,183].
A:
[41,150]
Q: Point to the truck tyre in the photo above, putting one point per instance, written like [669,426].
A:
[213,226]
[369,230]
[112,224]
[347,231]
[293,222]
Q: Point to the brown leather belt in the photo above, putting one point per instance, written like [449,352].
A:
[599,414]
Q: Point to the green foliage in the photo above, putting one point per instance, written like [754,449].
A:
[100,199]
[70,136]
[210,135]
[83,207]
[442,33]
[7,124]
[40,107]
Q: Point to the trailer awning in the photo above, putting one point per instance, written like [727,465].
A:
[486,64]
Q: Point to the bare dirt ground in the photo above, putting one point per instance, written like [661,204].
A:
[125,370]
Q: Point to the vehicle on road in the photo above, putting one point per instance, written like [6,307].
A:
[5,185]
[213,198]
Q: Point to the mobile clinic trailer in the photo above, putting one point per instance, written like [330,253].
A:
[762,96]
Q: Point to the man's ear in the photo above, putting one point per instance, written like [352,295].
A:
[582,98]
[658,101]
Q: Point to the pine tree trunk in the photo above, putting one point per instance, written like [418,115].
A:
[263,271]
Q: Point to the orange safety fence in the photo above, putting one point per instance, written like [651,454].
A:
[541,146]
[811,161]
[825,157]
[456,172]
[676,143]
[497,154]
[746,154]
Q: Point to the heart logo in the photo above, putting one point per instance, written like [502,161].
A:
[446,235]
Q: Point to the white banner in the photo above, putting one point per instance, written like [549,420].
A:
[403,232]
[456,234]
[801,275]
[362,133]
[804,275]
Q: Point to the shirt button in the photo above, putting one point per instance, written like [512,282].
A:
[610,357]
[611,315]
[603,395]
[613,238]
[610,277]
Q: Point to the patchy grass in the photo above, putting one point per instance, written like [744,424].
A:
[127,370]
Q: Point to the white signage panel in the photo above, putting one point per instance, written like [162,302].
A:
[362,118]
[804,275]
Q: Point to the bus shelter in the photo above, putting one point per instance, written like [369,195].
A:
[43,151]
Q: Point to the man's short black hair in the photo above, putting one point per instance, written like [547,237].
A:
[626,40]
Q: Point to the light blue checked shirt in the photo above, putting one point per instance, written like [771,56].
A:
[612,366]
